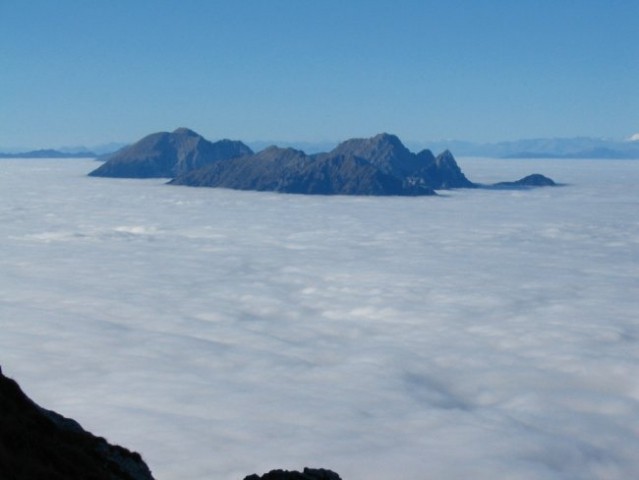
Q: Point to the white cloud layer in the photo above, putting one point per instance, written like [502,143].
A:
[486,334]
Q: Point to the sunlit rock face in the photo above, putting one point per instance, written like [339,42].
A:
[36,443]
[165,155]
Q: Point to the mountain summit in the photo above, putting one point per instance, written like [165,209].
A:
[384,150]
[380,165]
[166,155]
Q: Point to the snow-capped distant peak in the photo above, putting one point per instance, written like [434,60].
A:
[634,138]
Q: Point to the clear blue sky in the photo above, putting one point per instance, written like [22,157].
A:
[85,72]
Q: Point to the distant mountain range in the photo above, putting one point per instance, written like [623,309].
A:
[380,165]
[579,147]
[48,153]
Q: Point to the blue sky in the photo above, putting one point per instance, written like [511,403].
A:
[88,72]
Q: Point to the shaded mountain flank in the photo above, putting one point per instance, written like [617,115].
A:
[39,444]
[380,165]
[167,155]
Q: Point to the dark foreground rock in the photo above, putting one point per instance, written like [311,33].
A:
[166,155]
[38,444]
[307,474]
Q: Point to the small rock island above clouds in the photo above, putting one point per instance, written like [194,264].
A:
[380,165]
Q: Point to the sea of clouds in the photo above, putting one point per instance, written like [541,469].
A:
[481,334]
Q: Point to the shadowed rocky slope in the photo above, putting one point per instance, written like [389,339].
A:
[166,155]
[380,165]
[38,444]
[292,171]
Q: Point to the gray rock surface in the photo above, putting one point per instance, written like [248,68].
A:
[533,180]
[166,155]
[380,165]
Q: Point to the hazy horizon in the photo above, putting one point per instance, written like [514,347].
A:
[319,146]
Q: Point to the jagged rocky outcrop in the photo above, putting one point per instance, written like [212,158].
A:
[167,155]
[39,444]
[292,171]
[380,165]
[307,474]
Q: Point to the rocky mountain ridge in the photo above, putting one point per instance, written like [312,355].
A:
[167,155]
[379,165]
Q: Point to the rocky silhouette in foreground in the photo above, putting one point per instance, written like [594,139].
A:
[307,474]
[380,165]
[38,444]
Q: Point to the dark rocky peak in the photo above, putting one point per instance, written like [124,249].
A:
[384,150]
[426,157]
[445,158]
[379,147]
[439,172]
[450,173]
